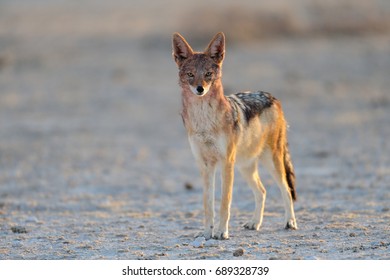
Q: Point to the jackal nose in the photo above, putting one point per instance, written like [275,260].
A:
[199,89]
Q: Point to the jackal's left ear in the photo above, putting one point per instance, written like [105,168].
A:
[216,48]
[181,49]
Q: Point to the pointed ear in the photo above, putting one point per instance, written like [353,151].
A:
[216,48]
[181,49]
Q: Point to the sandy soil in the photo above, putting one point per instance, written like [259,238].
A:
[94,160]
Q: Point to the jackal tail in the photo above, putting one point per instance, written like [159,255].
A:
[290,175]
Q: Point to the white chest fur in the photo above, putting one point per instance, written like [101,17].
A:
[207,146]
[206,137]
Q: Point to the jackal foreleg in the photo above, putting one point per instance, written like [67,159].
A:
[227,174]
[208,176]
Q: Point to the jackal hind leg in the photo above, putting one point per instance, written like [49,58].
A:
[251,175]
[275,165]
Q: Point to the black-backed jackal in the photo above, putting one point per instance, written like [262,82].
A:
[239,129]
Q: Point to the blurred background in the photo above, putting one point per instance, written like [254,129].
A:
[90,105]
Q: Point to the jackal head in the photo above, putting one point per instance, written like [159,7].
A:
[199,70]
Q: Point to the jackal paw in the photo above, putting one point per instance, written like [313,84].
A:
[206,234]
[251,225]
[291,224]
[221,235]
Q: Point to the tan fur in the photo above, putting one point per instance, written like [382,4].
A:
[220,136]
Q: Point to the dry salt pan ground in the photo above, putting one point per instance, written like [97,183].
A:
[95,164]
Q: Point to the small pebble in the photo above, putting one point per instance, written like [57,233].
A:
[188,186]
[18,229]
[309,258]
[32,219]
[189,215]
[211,243]
[123,250]
[238,252]
[161,254]
[198,242]
[17,244]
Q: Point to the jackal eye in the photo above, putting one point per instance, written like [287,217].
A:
[208,74]
[189,74]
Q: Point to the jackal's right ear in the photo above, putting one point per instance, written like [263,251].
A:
[181,49]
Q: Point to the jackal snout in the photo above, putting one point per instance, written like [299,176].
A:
[199,89]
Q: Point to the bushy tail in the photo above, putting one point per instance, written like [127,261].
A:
[290,175]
